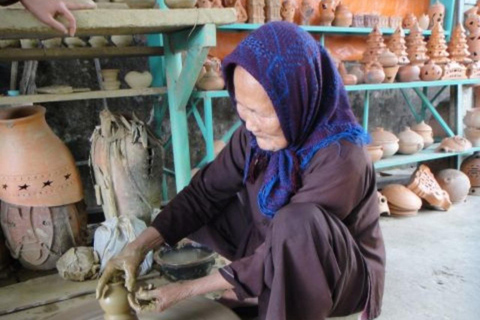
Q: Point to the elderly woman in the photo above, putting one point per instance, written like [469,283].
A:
[291,200]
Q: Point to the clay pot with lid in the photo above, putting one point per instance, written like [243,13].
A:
[472,118]
[455,182]
[436,13]
[374,73]
[387,140]
[343,16]
[375,152]
[410,142]
[454,144]
[326,9]
[473,135]
[426,132]
[388,58]
[471,167]
[409,73]
[401,200]
[114,303]
[431,71]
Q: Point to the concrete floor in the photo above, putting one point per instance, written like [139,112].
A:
[433,265]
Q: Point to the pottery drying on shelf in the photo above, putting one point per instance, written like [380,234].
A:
[454,144]
[180,4]
[348,79]
[79,264]
[272,10]
[383,204]
[383,21]
[455,182]
[242,15]
[138,80]
[211,79]
[472,118]
[387,140]
[55,89]
[256,11]
[343,16]
[9,43]
[454,71]
[473,135]
[122,40]
[458,46]
[371,20]
[409,21]
[374,73]
[395,22]
[358,20]
[375,152]
[397,45]
[472,23]
[410,142]
[52,43]
[426,132]
[431,71]
[401,200]
[409,73]
[471,167]
[357,71]
[306,12]
[114,302]
[388,58]
[29,43]
[424,21]
[288,10]
[98,41]
[436,13]
[74,42]
[326,10]
[424,185]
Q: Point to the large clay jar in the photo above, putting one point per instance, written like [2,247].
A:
[436,13]
[455,182]
[375,152]
[127,161]
[42,214]
[471,167]
[431,71]
[472,118]
[409,73]
[374,73]
[401,200]
[387,140]
[326,9]
[410,142]
[473,135]
[426,132]
[343,16]
[114,303]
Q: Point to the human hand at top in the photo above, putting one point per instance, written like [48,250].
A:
[47,10]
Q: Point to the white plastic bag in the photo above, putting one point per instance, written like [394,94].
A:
[114,234]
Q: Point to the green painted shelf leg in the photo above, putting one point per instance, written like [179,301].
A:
[209,139]
[438,94]
[434,112]
[418,119]
[424,107]
[366,109]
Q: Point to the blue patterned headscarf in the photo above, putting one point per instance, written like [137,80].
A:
[308,97]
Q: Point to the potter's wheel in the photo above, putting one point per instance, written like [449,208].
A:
[196,308]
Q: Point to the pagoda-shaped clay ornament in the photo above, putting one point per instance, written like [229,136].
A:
[416,47]
[397,45]
[272,10]
[436,13]
[458,47]
[437,45]
[326,9]
[306,12]
[242,15]
[409,21]
[472,22]
[375,46]
[288,10]
[256,12]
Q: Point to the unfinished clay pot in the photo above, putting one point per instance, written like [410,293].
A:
[343,16]
[409,73]
[9,43]
[473,135]
[454,144]
[79,264]
[125,40]
[431,71]
[138,80]
[455,182]
[98,41]
[114,303]
[74,42]
[375,152]
[401,200]
[38,236]
[409,21]
[424,185]
[29,43]
[387,140]
[436,13]
[383,204]
[472,118]
[410,142]
[424,21]
[327,12]
[374,73]
[471,167]
[426,132]
[110,74]
[52,43]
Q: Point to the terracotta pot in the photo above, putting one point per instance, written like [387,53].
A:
[36,168]
[375,152]
[358,72]
[472,118]
[424,185]
[348,79]
[410,142]
[454,144]
[371,20]
[473,135]
[426,132]
[472,23]
[388,59]
[374,73]
[431,71]
[471,167]
[383,204]
[455,182]
[98,41]
[343,16]
[390,73]
[387,140]
[358,20]
[38,236]
[436,13]
[395,22]
[409,21]
[401,200]
[211,80]
[409,73]
[326,9]
[114,303]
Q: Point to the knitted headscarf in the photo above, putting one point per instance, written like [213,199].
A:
[308,97]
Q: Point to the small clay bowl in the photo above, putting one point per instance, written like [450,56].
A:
[187,262]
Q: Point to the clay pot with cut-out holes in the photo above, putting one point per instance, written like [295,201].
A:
[471,167]
[455,182]
[326,9]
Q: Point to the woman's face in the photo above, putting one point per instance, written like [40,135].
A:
[256,109]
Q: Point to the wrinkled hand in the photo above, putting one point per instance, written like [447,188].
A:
[157,300]
[46,10]
[127,261]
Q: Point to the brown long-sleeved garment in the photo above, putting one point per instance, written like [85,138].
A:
[322,255]
[7,2]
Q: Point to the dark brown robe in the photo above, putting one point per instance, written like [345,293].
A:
[321,255]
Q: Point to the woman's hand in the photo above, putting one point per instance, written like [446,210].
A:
[47,10]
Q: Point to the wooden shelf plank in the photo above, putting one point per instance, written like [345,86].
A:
[21,24]
[38,98]
[424,155]
[16,54]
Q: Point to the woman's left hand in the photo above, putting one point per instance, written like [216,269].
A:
[158,299]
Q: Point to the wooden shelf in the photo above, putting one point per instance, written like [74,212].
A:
[424,155]
[38,98]
[17,54]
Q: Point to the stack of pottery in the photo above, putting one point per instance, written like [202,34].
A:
[348,79]
[397,45]
[387,140]
[375,46]
[471,167]
[424,21]
[410,142]
[455,183]
[425,131]
[416,49]
[110,79]
[423,184]
[458,47]
[389,61]
[436,13]
[409,21]
[343,16]
[472,131]
[375,152]
[401,200]
[326,9]
[454,144]
[211,78]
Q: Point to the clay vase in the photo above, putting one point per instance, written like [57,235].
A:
[473,135]
[374,73]
[424,21]
[114,303]
[387,140]
[436,13]
[431,71]
[409,21]
[375,152]
[343,16]
[471,167]
[454,144]
[423,184]
[211,80]
[401,201]
[288,10]
[426,132]
[327,12]
[410,142]
[472,118]
[455,182]
[409,73]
